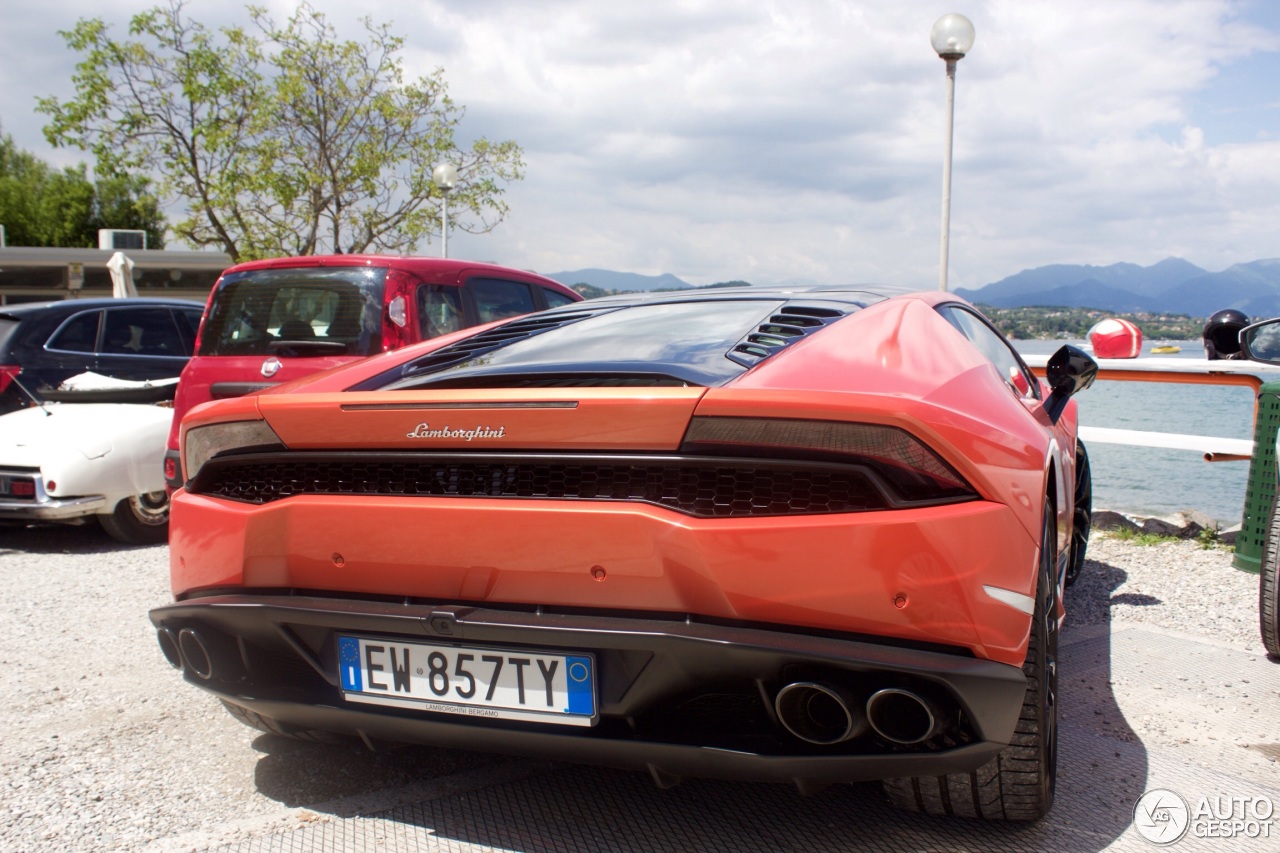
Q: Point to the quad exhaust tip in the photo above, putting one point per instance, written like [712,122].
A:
[902,716]
[195,654]
[822,714]
[169,647]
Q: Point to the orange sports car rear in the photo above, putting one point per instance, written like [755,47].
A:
[814,536]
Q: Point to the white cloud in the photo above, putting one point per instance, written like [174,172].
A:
[803,141]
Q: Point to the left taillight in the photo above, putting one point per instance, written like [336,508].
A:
[8,373]
[903,465]
[202,443]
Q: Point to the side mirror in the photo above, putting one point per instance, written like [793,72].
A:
[1070,370]
[1261,341]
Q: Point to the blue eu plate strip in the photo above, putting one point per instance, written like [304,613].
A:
[349,664]
[581,690]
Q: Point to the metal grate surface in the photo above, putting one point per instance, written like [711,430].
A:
[1104,766]
[707,490]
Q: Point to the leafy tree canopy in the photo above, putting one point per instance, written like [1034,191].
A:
[41,206]
[278,139]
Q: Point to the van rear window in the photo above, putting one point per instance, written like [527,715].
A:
[300,312]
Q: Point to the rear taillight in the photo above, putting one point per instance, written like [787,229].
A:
[8,372]
[22,488]
[901,463]
[202,443]
[399,291]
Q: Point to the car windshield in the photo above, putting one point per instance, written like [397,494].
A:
[306,311]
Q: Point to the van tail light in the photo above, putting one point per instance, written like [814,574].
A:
[8,372]
[900,464]
[400,287]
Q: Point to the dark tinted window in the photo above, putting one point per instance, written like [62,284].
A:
[686,340]
[188,324]
[439,310]
[142,331]
[555,298]
[305,311]
[995,348]
[78,334]
[497,299]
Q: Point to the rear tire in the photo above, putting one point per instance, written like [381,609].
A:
[1018,784]
[1269,587]
[139,520]
[1082,518]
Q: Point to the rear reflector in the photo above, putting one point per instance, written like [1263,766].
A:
[912,471]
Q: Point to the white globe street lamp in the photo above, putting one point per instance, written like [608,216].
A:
[445,176]
[952,37]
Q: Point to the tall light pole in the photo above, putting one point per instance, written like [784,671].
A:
[952,37]
[445,176]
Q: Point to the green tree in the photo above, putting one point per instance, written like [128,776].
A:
[41,206]
[279,140]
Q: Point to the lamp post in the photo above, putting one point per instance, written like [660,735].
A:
[445,176]
[952,37]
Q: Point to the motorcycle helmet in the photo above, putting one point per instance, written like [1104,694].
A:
[1222,334]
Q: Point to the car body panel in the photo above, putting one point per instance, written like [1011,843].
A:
[369,502]
[84,450]
[847,576]
[30,338]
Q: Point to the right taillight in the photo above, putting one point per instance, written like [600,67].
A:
[910,471]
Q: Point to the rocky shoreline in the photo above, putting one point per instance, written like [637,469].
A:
[1187,524]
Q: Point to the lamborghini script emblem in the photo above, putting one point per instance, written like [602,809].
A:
[425,431]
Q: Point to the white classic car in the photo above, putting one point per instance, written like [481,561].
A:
[70,461]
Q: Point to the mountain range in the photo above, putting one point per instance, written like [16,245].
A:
[1172,286]
[623,282]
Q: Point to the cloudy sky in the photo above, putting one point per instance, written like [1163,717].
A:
[802,141]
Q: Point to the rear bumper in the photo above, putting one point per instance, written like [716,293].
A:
[52,509]
[277,656]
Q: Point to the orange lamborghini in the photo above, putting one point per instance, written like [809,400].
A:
[813,535]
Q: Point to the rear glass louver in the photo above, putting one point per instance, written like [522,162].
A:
[782,329]
[492,339]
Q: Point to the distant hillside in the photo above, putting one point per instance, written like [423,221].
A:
[621,282]
[1172,286]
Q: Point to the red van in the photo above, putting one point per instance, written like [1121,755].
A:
[272,321]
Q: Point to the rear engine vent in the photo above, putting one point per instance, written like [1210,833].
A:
[782,329]
[709,488]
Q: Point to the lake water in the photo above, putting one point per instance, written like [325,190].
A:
[1150,481]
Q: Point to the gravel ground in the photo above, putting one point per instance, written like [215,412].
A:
[107,749]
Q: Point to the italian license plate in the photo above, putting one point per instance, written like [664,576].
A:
[505,684]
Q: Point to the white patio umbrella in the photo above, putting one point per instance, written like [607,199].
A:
[121,276]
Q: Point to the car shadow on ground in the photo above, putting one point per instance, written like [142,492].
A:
[1102,772]
[86,538]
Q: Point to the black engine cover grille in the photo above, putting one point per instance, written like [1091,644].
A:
[704,487]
